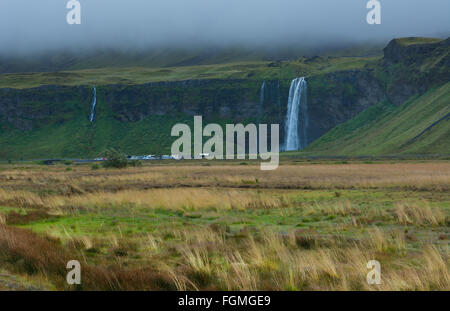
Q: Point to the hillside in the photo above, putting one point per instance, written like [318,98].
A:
[172,57]
[256,70]
[413,119]
[411,66]
[419,126]
[45,114]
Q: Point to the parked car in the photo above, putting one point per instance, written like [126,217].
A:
[202,156]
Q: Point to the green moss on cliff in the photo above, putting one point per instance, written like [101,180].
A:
[419,126]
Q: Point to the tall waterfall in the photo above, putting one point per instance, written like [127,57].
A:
[94,103]
[297,116]
[278,95]
[261,99]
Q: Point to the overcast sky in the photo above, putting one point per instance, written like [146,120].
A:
[39,25]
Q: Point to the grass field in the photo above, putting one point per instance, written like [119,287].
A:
[139,75]
[417,40]
[210,225]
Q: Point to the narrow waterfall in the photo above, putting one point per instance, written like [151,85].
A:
[278,94]
[297,116]
[94,103]
[261,99]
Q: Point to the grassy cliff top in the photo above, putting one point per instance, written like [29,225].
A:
[417,40]
[140,75]
[229,67]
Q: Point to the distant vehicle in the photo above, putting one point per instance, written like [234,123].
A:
[202,156]
[149,157]
[177,157]
[136,158]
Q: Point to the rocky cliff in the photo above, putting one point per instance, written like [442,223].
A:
[30,109]
[412,66]
[333,98]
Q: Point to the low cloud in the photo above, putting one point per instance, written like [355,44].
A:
[40,25]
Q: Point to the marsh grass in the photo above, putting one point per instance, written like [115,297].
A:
[304,227]
[419,213]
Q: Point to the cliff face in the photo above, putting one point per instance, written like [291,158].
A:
[412,50]
[225,99]
[333,98]
[413,67]
[337,97]
[30,109]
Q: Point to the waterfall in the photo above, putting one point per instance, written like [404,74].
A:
[297,116]
[261,99]
[278,95]
[94,103]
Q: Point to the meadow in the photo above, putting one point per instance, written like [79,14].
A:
[256,70]
[201,225]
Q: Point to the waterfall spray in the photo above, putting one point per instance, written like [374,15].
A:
[297,116]
[94,103]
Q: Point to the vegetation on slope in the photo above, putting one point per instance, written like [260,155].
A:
[129,114]
[419,126]
[54,61]
[140,75]
[78,138]
[417,40]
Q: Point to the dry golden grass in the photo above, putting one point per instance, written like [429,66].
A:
[274,263]
[182,198]
[20,198]
[414,176]
[269,261]
[27,252]
[419,213]
[335,230]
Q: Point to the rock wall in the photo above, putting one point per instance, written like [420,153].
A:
[333,98]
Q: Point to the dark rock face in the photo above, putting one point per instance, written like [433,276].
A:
[396,52]
[225,99]
[28,109]
[332,98]
[414,68]
[337,97]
